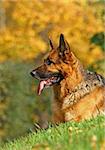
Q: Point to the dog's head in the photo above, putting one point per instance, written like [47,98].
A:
[57,66]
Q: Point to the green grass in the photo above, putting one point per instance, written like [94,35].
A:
[87,135]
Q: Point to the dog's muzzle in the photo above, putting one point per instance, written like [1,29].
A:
[46,79]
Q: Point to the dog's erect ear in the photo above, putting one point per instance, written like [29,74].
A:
[51,44]
[64,51]
[63,44]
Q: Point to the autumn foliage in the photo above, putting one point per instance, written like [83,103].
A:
[30,24]
[25,29]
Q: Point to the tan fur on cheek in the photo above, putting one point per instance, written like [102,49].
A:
[52,68]
[65,69]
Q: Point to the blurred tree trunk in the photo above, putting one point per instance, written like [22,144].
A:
[2,16]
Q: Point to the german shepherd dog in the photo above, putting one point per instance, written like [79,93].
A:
[78,93]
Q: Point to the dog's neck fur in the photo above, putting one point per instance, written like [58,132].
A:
[82,89]
[62,89]
[81,83]
[73,79]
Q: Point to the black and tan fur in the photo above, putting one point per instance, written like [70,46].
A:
[78,94]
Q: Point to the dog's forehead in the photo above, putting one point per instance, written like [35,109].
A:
[53,55]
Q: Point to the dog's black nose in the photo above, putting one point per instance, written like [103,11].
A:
[33,73]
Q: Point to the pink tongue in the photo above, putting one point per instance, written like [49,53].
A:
[41,86]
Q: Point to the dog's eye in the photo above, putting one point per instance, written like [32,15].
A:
[48,61]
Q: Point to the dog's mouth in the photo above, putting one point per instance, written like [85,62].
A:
[49,82]
[45,82]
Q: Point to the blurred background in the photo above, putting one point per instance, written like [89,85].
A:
[25,26]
